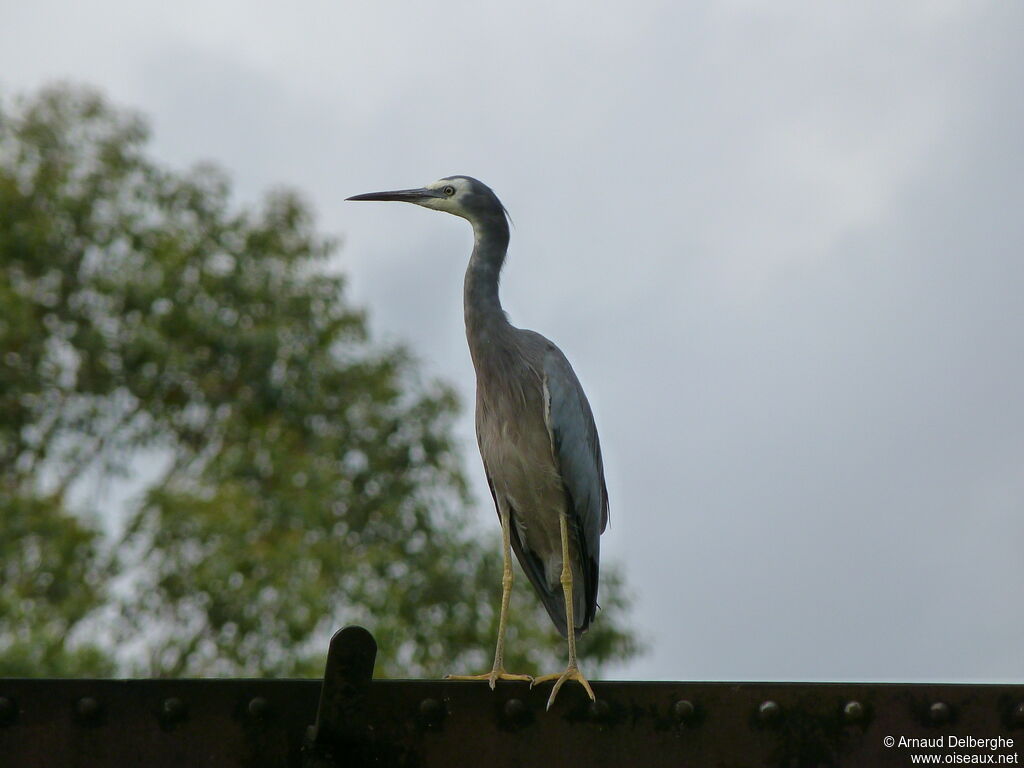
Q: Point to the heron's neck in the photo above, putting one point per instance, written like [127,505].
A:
[485,320]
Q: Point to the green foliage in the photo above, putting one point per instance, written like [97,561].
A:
[50,577]
[288,474]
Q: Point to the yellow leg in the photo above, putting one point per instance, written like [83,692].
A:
[498,670]
[572,672]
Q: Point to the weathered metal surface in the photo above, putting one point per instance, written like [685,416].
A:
[221,723]
[257,723]
[263,723]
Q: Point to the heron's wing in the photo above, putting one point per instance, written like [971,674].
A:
[577,451]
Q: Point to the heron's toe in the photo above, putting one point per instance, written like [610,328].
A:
[493,677]
[572,672]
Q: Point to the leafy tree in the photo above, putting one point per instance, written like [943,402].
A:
[50,579]
[284,473]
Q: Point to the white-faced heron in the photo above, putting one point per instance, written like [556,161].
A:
[536,434]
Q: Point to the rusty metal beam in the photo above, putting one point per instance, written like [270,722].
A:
[257,723]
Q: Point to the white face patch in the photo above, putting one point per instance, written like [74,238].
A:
[448,203]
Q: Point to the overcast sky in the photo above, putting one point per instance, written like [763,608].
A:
[782,244]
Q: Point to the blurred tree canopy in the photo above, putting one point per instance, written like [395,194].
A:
[206,463]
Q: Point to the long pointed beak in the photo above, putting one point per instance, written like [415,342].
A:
[400,195]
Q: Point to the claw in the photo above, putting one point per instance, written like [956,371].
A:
[493,677]
[571,673]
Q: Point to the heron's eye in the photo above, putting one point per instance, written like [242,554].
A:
[449,190]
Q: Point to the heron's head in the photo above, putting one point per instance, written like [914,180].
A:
[459,195]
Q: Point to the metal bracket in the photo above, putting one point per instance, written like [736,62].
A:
[342,734]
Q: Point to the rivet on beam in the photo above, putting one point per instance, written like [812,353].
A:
[1017,715]
[600,710]
[259,707]
[516,711]
[431,712]
[769,713]
[940,712]
[173,710]
[853,712]
[88,709]
[683,711]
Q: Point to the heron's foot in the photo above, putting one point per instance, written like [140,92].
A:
[571,673]
[493,677]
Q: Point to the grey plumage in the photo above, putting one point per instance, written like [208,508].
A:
[535,430]
[534,426]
